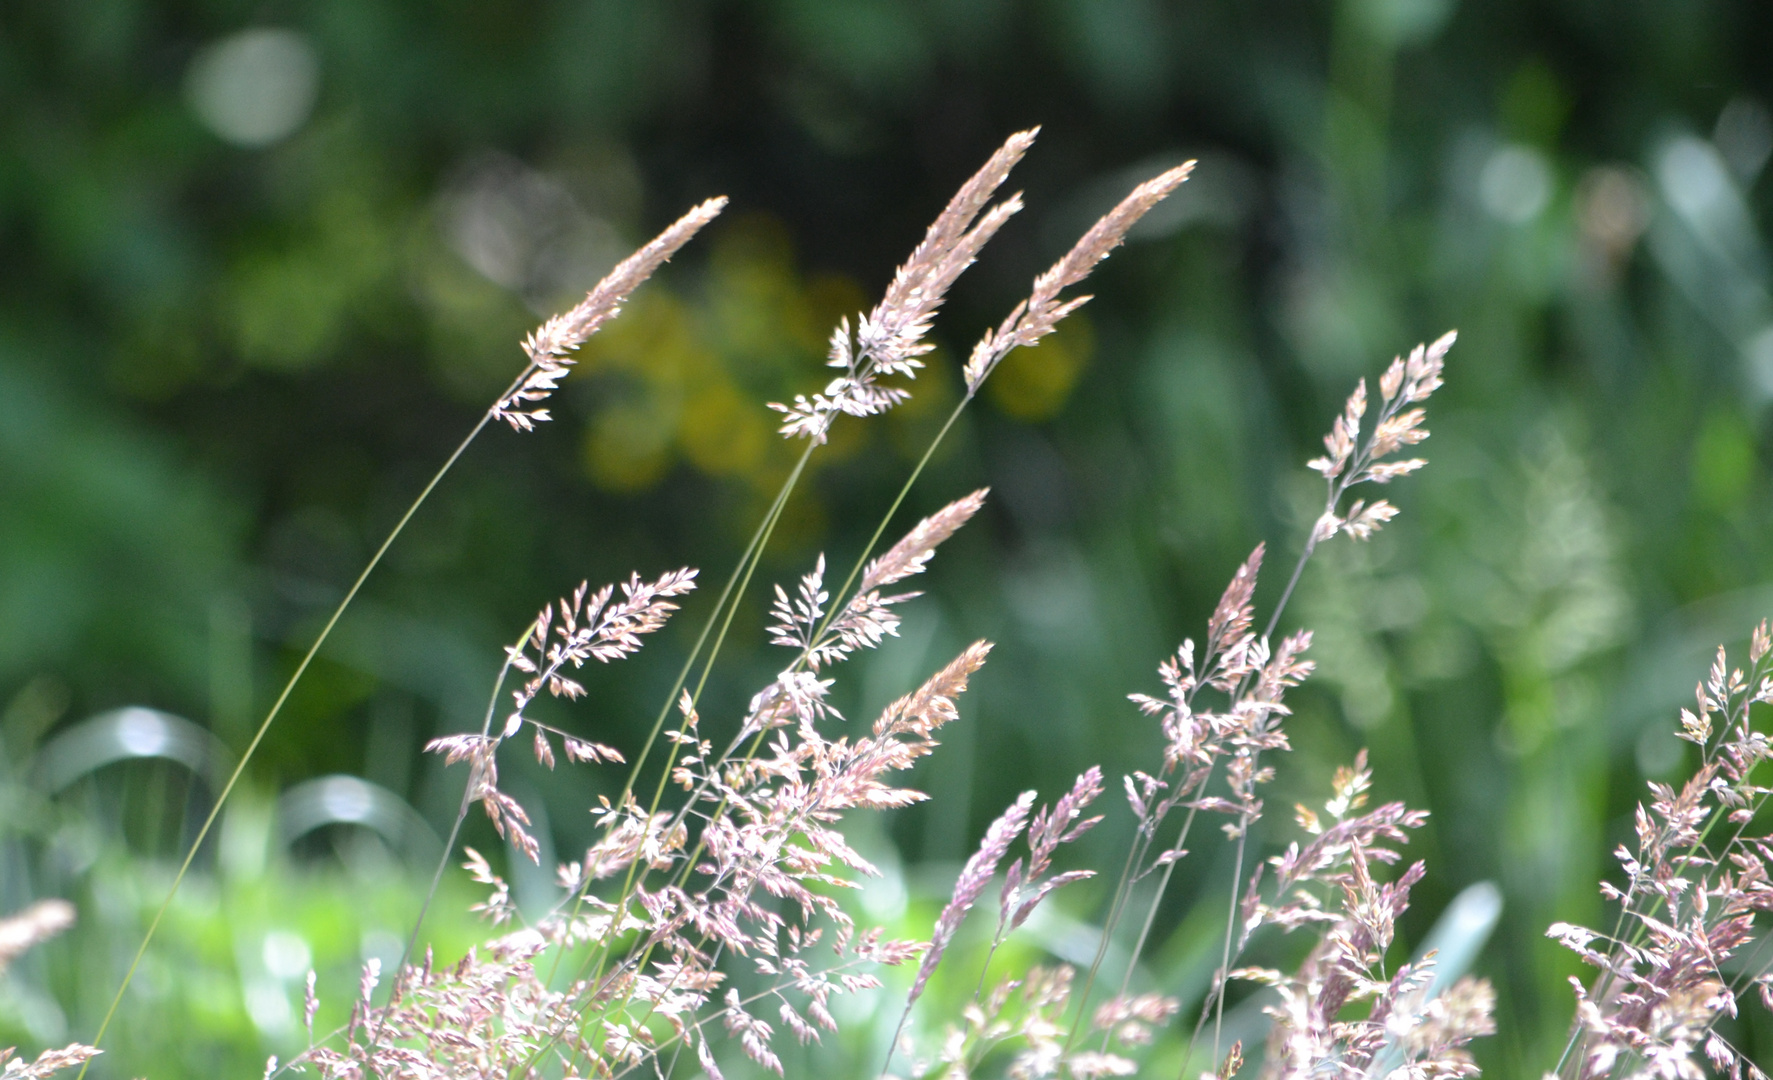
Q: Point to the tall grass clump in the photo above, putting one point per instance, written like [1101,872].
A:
[706,923]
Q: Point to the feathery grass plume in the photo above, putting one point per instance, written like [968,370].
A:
[1327,884]
[902,733]
[801,622]
[911,554]
[890,339]
[948,248]
[585,627]
[1693,888]
[19,932]
[32,926]
[1026,884]
[1024,887]
[1040,314]
[1349,462]
[974,876]
[1197,741]
[551,345]
[590,628]
[47,1064]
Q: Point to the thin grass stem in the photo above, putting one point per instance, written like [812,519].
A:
[1237,872]
[271,716]
[455,832]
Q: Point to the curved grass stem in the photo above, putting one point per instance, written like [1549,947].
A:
[271,716]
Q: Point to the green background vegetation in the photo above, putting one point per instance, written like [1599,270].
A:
[230,355]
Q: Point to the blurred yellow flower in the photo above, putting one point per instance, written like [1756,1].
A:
[1033,384]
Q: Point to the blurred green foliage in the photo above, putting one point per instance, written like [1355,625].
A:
[258,284]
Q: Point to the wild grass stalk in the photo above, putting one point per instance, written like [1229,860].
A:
[1689,903]
[550,359]
[1350,460]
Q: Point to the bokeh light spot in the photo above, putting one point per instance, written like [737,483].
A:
[1515,184]
[255,87]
